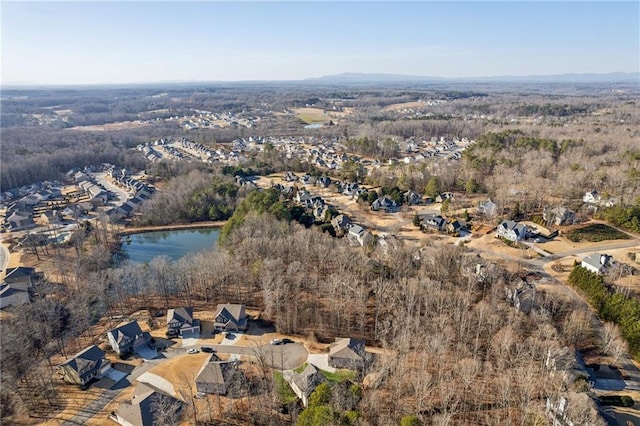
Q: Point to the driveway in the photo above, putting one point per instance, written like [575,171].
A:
[321,361]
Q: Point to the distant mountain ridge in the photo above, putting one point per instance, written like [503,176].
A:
[398,78]
[351,78]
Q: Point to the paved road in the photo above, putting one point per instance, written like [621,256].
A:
[632,382]
[4,257]
[583,250]
[122,195]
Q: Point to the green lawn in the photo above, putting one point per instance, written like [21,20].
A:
[312,118]
[339,375]
[284,391]
[595,233]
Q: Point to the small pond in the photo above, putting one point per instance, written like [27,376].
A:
[143,247]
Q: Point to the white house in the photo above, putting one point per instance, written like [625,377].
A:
[597,263]
[591,197]
[512,231]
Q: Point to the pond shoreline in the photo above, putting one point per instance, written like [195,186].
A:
[196,225]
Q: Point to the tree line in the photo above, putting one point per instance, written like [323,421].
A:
[610,305]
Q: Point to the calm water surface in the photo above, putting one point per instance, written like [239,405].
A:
[173,244]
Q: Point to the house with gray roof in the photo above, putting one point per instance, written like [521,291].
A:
[14,294]
[142,409]
[412,198]
[21,274]
[230,317]
[359,234]
[597,263]
[86,365]
[347,353]
[558,216]
[488,208]
[215,376]
[180,322]
[129,338]
[432,221]
[341,222]
[305,382]
[385,204]
[512,231]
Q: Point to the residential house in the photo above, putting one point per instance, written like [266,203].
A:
[304,198]
[305,382]
[307,180]
[21,274]
[142,409]
[52,217]
[230,317]
[597,263]
[412,198]
[456,227]
[558,216]
[347,353]
[591,197]
[180,322]
[320,212]
[361,194]
[19,221]
[512,231]
[86,365]
[341,222]
[129,338]
[432,221]
[359,234]
[385,204]
[323,181]
[488,208]
[14,294]
[441,198]
[350,188]
[215,376]
[290,177]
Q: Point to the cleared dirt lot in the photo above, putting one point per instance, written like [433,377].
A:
[123,125]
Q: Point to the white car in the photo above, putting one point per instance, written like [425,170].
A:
[276,342]
[193,351]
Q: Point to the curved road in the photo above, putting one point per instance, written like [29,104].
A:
[537,264]
[4,257]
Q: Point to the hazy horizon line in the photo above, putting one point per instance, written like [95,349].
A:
[373,75]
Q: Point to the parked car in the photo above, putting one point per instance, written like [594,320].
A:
[276,342]
[193,351]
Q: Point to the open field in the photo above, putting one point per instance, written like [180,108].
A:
[318,115]
[404,105]
[107,127]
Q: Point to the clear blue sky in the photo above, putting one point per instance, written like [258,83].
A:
[119,42]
